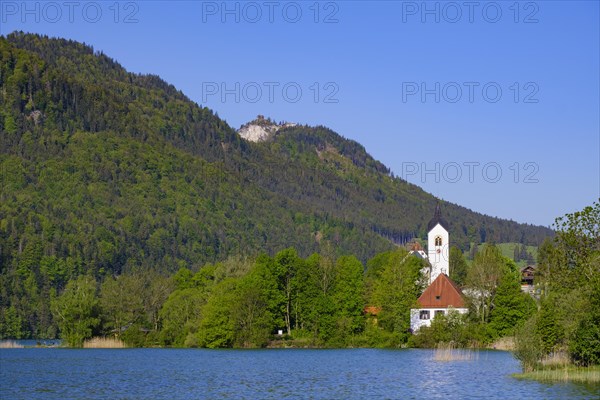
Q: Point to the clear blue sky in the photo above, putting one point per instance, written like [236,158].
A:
[416,85]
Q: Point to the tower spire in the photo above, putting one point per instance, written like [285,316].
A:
[438,211]
[437,219]
[438,244]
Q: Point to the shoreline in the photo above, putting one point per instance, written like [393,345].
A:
[568,373]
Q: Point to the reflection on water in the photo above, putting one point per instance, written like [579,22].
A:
[256,374]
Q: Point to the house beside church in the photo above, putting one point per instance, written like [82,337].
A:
[442,295]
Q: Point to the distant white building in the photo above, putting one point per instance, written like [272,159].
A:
[442,295]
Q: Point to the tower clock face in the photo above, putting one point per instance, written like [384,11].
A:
[438,250]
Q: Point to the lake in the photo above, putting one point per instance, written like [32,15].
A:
[56,373]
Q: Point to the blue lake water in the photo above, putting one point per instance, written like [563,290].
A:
[56,373]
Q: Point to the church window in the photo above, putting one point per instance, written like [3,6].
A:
[424,314]
[439,312]
[438,240]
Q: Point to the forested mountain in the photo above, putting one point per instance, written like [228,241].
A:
[104,171]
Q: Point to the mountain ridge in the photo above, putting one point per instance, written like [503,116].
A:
[261,129]
[79,112]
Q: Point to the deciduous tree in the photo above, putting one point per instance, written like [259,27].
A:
[483,278]
[76,310]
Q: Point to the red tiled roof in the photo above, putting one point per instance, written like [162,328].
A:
[442,293]
[372,310]
[416,246]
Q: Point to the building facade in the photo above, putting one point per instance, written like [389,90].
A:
[442,296]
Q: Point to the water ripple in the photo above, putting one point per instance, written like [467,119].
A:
[266,374]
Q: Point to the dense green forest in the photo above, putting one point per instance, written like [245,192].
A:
[328,301]
[319,301]
[105,173]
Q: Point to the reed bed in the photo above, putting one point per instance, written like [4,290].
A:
[103,343]
[557,367]
[566,374]
[557,359]
[449,352]
[10,344]
[506,343]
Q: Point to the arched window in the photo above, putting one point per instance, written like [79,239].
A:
[438,240]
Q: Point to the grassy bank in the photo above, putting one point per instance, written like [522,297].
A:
[564,374]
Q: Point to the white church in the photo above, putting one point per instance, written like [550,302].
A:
[442,295]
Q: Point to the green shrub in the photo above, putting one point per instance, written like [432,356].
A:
[584,347]
[134,336]
[529,348]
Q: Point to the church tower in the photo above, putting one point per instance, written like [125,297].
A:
[442,295]
[438,247]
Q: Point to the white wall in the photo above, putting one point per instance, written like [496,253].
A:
[416,322]
[439,256]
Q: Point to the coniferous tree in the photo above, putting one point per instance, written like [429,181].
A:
[458,266]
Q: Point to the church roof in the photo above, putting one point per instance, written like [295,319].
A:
[416,246]
[442,293]
[421,254]
[437,219]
